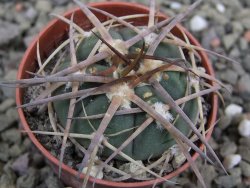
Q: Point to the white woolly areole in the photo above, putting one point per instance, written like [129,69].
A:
[175,149]
[194,80]
[118,44]
[68,85]
[149,65]
[244,128]
[150,38]
[122,91]
[115,74]
[162,110]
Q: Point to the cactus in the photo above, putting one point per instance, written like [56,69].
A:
[126,93]
[153,141]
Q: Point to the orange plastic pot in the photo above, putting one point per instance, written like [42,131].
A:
[51,36]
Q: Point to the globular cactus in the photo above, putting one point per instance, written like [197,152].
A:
[154,140]
[128,93]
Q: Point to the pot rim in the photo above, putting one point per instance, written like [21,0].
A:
[211,121]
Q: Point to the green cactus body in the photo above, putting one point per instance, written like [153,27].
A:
[153,141]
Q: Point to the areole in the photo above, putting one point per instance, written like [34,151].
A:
[50,37]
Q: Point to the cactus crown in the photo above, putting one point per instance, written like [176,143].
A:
[126,93]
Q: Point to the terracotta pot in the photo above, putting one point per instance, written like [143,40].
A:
[51,36]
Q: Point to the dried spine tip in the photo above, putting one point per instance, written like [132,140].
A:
[122,90]
[162,110]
